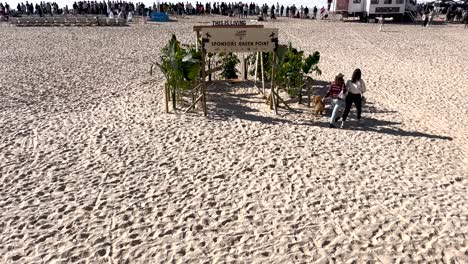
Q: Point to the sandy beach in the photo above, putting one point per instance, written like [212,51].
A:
[92,169]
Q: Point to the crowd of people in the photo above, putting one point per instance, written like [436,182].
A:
[428,11]
[122,8]
[241,10]
[238,9]
[109,8]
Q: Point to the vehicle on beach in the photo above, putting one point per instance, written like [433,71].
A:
[371,9]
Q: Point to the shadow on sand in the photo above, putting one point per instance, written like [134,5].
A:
[226,104]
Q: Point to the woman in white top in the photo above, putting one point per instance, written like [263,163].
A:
[356,87]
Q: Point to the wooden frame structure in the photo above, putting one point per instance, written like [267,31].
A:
[272,99]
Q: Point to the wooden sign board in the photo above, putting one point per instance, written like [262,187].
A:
[239,39]
[200,28]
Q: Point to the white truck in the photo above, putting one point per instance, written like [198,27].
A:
[368,9]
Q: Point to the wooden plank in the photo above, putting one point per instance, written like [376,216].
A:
[203,84]
[194,103]
[196,40]
[273,84]
[281,99]
[260,91]
[214,70]
[256,69]
[166,97]
[263,71]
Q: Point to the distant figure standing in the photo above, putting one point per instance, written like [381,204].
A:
[425,19]
[381,22]
[130,17]
[431,17]
[315,12]
[465,18]
[355,87]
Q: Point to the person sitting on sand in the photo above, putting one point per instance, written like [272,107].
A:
[355,87]
[337,91]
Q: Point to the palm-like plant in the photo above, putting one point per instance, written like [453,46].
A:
[229,61]
[180,67]
[293,68]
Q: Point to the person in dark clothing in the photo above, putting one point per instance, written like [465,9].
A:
[465,18]
[39,10]
[31,9]
[355,88]
[315,12]
[426,19]
[75,7]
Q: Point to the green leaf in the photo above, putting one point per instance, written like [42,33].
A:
[310,62]
[190,70]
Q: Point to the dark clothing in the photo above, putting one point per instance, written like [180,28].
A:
[351,99]
[426,20]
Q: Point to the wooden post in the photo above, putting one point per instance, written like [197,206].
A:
[300,94]
[256,68]
[249,65]
[273,103]
[196,40]
[193,97]
[174,106]
[209,69]
[166,97]
[246,68]
[203,82]
[263,74]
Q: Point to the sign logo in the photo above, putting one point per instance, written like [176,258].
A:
[241,34]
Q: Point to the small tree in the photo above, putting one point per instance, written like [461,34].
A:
[180,67]
[229,61]
[293,67]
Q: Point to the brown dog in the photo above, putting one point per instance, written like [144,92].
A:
[319,106]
